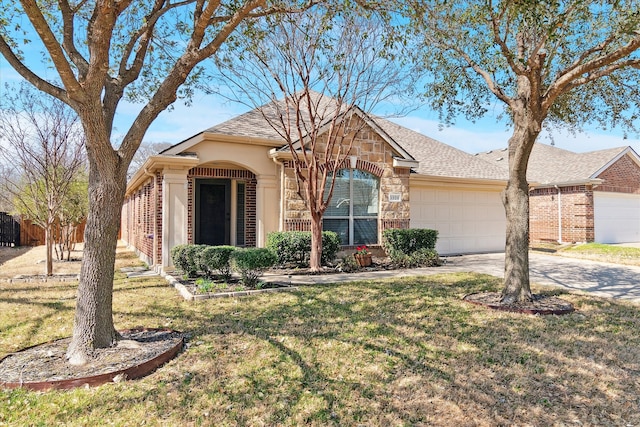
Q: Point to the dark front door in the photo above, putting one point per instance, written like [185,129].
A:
[213,212]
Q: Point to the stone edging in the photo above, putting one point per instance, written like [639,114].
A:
[42,279]
[132,372]
[186,294]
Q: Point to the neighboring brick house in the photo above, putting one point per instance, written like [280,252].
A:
[234,183]
[581,197]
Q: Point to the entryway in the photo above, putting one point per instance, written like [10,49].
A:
[213,212]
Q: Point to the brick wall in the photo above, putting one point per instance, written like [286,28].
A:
[577,214]
[621,177]
[139,223]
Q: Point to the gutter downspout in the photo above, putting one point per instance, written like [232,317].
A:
[559,213]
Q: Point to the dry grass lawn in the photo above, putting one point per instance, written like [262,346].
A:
[379,353]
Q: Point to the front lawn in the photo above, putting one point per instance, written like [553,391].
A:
[605,253]
[400,352]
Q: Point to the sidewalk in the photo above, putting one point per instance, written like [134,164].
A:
[596,278]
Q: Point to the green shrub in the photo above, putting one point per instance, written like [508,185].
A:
[217,259]
[294,247]
[330,246]
[251,263]
[414,247]
[348,264]
[187,258]
[178,256]
[192,255]
[409,240]
[419,258]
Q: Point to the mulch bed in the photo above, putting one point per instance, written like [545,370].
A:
[46,363]
[541,304]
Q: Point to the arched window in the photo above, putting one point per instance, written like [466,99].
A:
[353,210]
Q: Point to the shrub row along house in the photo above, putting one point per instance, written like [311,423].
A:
[234,183]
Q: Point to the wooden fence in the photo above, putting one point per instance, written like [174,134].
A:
[33,235]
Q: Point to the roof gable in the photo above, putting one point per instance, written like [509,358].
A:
[439,159]
[552,165]
[425,155]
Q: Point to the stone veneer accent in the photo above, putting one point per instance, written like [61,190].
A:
[375,156]
[250,181]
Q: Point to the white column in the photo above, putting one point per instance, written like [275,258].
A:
[266,207]
[175,211]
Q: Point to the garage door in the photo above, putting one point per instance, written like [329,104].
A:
[467,221]
[616,217]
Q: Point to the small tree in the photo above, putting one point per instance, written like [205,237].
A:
[313,76]
[560,63]
[72,213]
[44,156]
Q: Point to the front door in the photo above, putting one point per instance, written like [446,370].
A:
[213,212]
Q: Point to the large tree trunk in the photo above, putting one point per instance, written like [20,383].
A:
[516,203]
[93,325]
[516,263]
[315,261]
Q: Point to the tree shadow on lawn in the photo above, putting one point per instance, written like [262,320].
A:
[404,351]
[596,278]
[383,353]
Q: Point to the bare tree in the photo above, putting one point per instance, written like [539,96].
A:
[44,155]
[73,212]
[104,51]
[559,63]
[314,76]
[145,150]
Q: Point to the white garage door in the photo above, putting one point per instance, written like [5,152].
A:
[616,217]
[467,221]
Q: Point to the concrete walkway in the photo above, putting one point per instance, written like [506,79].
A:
[597,278]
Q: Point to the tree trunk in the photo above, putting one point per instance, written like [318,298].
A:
[48,241]
[516,203]
[516,263]
[315,260]
[93,325]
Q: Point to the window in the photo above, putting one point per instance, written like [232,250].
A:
[353,210]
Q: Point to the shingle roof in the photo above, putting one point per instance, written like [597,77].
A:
[435,158]
[439,159]
[548,164]
[253,124]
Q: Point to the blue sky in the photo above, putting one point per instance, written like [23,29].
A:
[207,110]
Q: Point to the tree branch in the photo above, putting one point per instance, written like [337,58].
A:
[29,75]
[584,73]
[74,90]
[68,31]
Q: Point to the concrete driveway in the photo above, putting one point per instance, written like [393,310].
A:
[597,278]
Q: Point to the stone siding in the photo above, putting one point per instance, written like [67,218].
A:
[374,155]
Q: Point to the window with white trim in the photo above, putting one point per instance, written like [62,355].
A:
[353,210]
